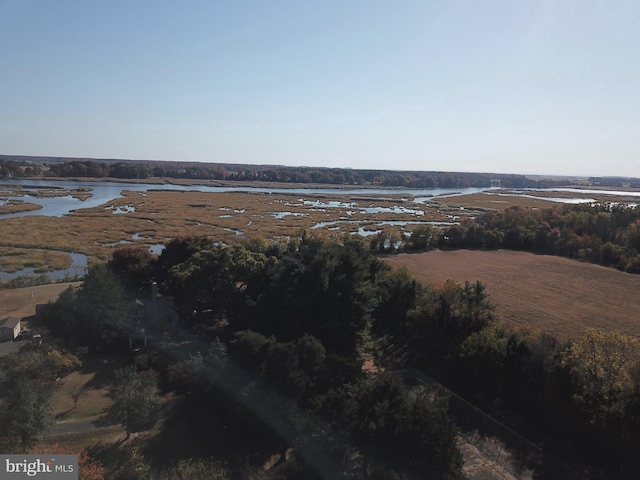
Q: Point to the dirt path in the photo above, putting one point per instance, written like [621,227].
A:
[558,295]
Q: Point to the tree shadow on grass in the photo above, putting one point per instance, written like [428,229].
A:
[208,427]
[103,367]
[111,455]
[62,415]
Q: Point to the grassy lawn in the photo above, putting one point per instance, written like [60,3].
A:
[90,383]
[92,400]
[83,440]
[18,302]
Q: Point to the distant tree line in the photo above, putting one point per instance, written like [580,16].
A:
[267,173]
[256,173]
[603,233]
[614,182]
[22,166]
[15,169]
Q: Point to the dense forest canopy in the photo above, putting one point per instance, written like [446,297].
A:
[295,322]
[290,322]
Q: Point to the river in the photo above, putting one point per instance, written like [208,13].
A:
[105,192]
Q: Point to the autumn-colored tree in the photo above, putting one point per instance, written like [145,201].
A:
[88,467]
[195,469]
[133,264]
[606,365]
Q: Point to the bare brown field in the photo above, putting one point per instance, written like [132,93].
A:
[493,201]
[17,302]
[553,294]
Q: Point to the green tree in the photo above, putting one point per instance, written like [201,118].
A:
[387,240]
[412,436]
[27,384]
[101,308]
[215,279]
[131,465]
[478,308]
[397,293]
[484,357]
[426,441]
[325,290]
[198,373]
[423,237]
[61,316]
[25,411]
[136,401]
[178,251]
[446,316]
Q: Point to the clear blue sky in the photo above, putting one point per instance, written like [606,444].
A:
[516,86]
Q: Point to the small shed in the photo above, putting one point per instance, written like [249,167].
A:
[9,329]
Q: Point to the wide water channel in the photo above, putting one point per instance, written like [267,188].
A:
[105,192]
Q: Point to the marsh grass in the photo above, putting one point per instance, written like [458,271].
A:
[81,193]
[16,259]
[17,206]
[228,217]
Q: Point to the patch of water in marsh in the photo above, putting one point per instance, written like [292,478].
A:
[77,267]
[334,224]
[156,248]
[121,209]
[281,215]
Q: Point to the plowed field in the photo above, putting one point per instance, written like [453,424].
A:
[552,294]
